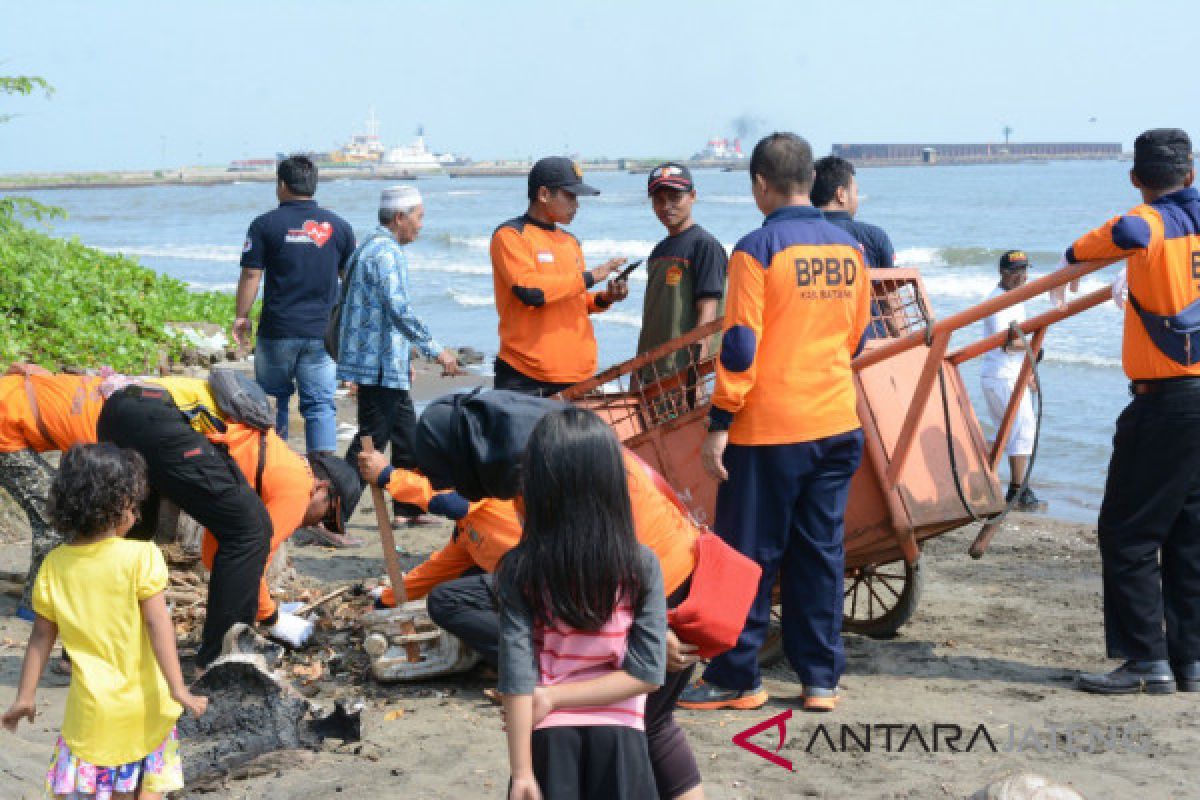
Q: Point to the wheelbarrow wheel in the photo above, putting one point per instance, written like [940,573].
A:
[880,598]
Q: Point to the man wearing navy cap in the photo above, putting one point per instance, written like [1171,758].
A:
[543,288]
[685,273]
[1149,525]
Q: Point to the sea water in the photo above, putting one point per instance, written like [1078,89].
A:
[950,222]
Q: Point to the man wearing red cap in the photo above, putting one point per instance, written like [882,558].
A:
[685,274]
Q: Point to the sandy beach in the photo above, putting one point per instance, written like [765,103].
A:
[994,643]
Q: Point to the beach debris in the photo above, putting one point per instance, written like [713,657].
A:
[204,343]
[355,588]
[253,712]
[404,644]
[1026,786]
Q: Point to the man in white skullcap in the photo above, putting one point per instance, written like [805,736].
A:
[378,329]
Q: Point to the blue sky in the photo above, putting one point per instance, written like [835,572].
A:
[150,84]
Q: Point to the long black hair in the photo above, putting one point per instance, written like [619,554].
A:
[578,556]
[96,484]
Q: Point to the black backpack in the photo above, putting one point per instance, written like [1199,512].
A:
[473,442]
[240,399]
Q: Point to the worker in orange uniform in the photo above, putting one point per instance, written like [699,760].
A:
[40,412]
[467,607]
[297,492]
[784,436]
[1149,525]
[177,426]
[543,289]
[483,531]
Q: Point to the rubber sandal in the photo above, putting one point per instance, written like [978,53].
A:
[326,538]
[419,521]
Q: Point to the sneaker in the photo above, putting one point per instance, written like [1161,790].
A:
[1011,493]
[1030,502]
[818,699]
[701,696]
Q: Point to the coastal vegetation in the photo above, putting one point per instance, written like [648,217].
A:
[63,304]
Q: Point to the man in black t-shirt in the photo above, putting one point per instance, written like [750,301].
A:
[685,281]
[303,249]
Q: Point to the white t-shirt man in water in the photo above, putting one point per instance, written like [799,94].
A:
[998,376]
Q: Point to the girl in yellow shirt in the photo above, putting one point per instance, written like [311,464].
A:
[104,595]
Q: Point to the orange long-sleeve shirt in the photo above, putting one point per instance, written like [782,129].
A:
[287,485]
[542,299]
[799,300]
[67,405]
[492,528]
[1161,242]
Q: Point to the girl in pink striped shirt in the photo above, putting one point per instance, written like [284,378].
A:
[583,622]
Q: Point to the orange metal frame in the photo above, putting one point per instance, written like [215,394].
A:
[903,493]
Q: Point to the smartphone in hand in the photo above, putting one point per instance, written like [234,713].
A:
[625,273]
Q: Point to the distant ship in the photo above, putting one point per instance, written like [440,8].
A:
[363,148]
[367,151]
[416,157]
[721,149]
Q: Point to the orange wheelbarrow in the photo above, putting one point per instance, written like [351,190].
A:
[927,467]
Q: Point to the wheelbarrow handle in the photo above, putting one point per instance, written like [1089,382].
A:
[983,539]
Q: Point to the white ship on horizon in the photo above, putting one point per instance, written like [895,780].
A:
[416,157]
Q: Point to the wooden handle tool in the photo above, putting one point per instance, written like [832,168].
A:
[391,560]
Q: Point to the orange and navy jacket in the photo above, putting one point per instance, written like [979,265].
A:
[481,538]
[543,301]
[67,409]
[798,303]
[1161,242]
[492,527]
[287,485]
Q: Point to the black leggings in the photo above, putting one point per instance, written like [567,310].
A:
[205,483]
[387,416]
[469,609]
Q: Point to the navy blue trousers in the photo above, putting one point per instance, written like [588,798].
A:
[784,506]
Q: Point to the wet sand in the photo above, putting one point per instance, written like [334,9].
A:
[993,643]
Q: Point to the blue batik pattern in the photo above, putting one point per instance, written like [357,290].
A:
[378,325]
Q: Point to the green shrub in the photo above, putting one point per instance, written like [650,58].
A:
[65,304]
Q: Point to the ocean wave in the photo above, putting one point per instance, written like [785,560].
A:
[471,300]
[728,199]
[186,252]
[633,248]
[464,192]
[968,257]
[212,286]
[1087,359]
[422,265]
[627,318]
[972,285]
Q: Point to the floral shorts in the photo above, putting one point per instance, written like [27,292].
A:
[72,777]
